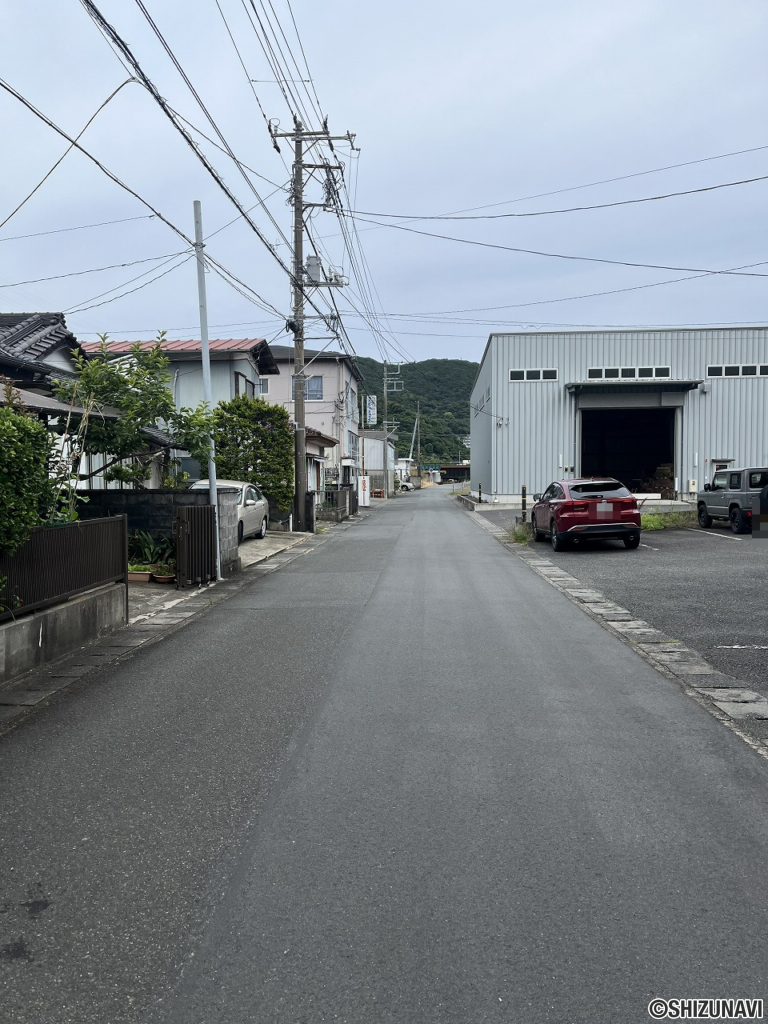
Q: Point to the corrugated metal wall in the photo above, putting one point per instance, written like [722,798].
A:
[539,431]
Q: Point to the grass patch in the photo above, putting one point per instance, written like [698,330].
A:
[653,521]
[520,534]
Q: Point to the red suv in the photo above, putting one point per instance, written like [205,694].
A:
[589,507]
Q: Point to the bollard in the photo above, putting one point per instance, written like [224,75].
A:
[524,503]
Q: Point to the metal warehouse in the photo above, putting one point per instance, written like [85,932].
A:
[658,409]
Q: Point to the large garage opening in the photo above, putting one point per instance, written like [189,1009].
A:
[634,445]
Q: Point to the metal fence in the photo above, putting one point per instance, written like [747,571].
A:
[194,528]
[59,562]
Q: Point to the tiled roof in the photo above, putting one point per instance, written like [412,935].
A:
[193,345]
[33,335]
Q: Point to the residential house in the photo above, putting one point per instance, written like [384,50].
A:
[35,350]
[331,405]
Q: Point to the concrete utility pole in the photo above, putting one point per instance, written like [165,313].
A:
[385,490]
[213,495]
[299,393]
[418,440]
[301,283]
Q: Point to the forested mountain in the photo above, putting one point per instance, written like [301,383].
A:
[443,387]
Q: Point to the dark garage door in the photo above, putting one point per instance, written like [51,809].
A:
[634,445]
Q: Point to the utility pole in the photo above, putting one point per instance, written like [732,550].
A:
[301,282]
[213,495]
[418,441]
[299,380]
[385,490]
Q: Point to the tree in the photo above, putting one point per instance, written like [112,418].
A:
[26,494]
[253,442]
[137,386]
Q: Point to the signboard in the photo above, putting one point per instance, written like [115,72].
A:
[371,414]
[364,491]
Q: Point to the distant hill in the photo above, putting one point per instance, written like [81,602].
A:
[443,387]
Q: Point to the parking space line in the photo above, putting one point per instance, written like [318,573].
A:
[714,536]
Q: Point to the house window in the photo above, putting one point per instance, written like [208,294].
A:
[262,386]
[714,371]
[352,443]
[517,375]
[612,371]
[731,371]
[749,371]
[594,373]
[549,374]
[661,371]
[645,371]
[533,374]
[244,386]
[628,371]
[352,404]
[764,371]
[313,389]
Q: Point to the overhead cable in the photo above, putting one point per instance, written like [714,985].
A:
[558,255]
[94,270]
[67,151]
[78,227]
[548,213]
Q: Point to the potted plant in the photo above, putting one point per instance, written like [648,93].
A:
[164,573]
[139,573]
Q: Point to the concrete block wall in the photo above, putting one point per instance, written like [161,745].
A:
[50,633]
[154,511]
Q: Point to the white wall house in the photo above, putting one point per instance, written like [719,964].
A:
[658,409]
[331,405]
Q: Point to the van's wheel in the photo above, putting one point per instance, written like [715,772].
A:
[537,534]
[559,542]
[738,521]
[263,529]
[240,532]
[632,541]
[705,519]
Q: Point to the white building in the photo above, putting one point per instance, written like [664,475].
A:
[331,405]
[658,409]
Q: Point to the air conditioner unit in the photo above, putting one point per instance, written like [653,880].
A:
[693,486]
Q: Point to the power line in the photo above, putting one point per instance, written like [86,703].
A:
[79,227]
[620,177]
[94,270]
[547,213]
[66,152]
[558,255]
[93,305]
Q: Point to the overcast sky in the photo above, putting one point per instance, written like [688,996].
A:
[454,106]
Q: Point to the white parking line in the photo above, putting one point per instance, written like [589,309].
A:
[714,536]
[649,546]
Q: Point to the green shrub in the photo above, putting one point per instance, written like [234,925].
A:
[25,488]
[254,443]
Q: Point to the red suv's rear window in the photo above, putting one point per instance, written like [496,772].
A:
[608,489]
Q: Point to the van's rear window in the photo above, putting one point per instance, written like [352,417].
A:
[608,488]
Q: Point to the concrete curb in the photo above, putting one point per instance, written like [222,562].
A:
[36,689]
[722,696]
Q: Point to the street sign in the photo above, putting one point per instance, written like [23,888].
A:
[371,414]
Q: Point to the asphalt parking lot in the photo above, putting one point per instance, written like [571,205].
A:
[707,588]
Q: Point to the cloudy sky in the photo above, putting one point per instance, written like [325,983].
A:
[494,107]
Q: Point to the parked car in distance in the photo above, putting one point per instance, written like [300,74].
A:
[252,507]
[731,497]
[570,510]
[406,485]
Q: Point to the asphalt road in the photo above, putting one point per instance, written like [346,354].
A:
[399,780]
[708,588]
